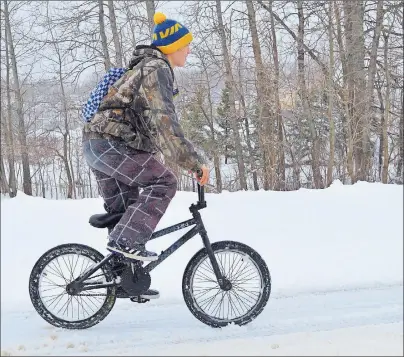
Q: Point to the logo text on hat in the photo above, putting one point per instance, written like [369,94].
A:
[169,31]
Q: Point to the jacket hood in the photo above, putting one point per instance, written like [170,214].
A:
[143,51]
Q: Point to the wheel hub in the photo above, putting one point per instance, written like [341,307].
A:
[226,285]
[73,288]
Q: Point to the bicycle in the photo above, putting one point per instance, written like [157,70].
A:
[124,278]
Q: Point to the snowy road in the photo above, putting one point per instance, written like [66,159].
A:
[371,319]
[292,231]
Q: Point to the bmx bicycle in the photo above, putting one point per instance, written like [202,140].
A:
[237,280]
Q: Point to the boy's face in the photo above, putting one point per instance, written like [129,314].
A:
[179,57]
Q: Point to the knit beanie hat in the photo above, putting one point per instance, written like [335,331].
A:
[169,35]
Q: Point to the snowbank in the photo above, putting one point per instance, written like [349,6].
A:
[312,240]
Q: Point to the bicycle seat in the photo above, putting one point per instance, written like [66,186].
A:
[105,220]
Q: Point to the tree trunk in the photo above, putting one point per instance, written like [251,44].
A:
[331,97]
[380,130]
[315,144]
[8,129]
[129,17]
[3,178]
[373,55]
[279,120]
[386,113]
[231,86]
[42,182]
[150,8]
[79,180]
[216,157]
[71,193]
[115,34]
[400,165]
[247,132]
[104,42]
[251,154]
[216,160]
[27,183]
[353,12]
[54,179]
[347,118]
[263,95]
[370,87]
[70,158]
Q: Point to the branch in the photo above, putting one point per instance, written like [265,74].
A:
[323,67]
[287,28]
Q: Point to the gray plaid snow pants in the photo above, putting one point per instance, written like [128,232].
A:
[120,171]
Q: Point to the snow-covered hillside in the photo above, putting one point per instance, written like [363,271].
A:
[335,257]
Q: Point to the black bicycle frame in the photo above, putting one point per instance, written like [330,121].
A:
[199,227]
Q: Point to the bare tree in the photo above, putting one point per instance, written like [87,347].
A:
[230,81]
[330,96]
[278,95]
[104,42]
[150,8]
[7,128]
[280,144]
[266,121]
[22,136]
[115,34]
[307,114]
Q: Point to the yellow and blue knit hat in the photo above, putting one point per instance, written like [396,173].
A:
[169,35]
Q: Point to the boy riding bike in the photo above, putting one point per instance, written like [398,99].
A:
[134,121]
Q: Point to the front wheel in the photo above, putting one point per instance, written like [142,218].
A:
[248,275]
[47,287]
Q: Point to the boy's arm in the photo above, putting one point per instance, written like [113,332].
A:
[158,89]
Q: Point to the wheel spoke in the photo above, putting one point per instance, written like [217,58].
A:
[245,274]
[244,297]
[238,267]
[233,305]
[219,304]
[207,278]
[80,303]
[202,292]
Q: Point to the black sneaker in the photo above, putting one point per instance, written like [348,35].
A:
[136,253]
[150,294]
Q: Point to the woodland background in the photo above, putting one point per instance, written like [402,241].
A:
[277,95]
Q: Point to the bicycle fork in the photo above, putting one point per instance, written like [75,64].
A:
[223,282]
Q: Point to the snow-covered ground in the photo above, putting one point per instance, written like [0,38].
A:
[335,257]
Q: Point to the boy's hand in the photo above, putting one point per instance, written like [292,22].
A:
[202,175]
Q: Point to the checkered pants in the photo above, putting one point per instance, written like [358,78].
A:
[120,172]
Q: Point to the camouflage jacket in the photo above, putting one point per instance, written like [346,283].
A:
[139,110]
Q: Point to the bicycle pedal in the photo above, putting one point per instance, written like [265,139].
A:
[139,300]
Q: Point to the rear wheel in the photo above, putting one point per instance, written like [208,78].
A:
[47,287]
[248,275]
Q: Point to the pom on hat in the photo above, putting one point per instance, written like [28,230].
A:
[159,18]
